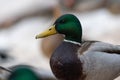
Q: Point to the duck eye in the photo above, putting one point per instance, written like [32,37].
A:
[62,21]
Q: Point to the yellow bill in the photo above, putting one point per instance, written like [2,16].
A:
[46,33]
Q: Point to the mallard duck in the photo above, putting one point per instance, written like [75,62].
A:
[75,59]
[19,72]
[27,72]
[23,72]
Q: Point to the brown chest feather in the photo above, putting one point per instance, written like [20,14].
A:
[64,62]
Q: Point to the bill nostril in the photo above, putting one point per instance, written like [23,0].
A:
[49,29]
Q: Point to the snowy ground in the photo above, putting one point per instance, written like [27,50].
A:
[22,46]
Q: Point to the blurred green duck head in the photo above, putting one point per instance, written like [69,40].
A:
[23,72]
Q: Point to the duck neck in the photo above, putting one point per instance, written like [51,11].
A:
[74,38]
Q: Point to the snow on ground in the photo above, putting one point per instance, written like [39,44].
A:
[16,8]
[22,45]
[101,25]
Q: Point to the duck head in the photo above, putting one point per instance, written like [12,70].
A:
[23,72]
[69,25]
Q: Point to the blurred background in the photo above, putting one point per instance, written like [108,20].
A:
[21,20]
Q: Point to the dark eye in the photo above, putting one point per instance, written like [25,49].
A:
[62,21]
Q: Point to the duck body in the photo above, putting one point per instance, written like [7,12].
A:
[72,62]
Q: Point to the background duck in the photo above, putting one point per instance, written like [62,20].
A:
[24,72]
[77,60]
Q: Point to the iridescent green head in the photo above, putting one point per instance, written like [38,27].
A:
[69,25]
[23,73]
